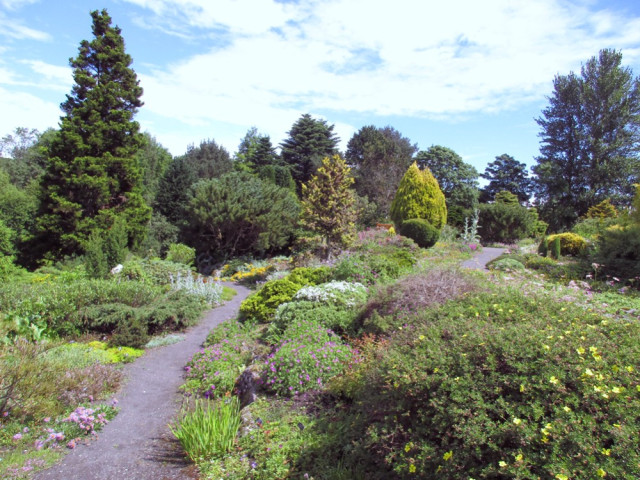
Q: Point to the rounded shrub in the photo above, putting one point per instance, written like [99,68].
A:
[262,305]
[619,251]
[420,231]
[419,196]
[570,243]
[507,265]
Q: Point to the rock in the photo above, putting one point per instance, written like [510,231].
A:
[117,269]
[247,385]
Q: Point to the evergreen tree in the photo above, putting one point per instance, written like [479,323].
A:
[208,160]
[263,153]
[309,141]
[153,160]
[173,197]
[379,158]
[419,196]
[506,173]
[590,134]
[328,203]
[92,175]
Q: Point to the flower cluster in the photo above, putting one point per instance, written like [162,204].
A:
[87,419]
[336,292]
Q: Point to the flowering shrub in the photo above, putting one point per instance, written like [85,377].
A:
[87,419]
[339,293]
[213,370]
[504,386]
[308,356]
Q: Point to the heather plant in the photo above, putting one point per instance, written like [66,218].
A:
[213,370]
[305,359]
[209,429]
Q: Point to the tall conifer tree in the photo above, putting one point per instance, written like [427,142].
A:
[92,175]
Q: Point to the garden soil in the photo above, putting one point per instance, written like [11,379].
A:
[137,444]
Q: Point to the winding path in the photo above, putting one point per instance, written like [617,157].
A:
[137,444]
[480,259]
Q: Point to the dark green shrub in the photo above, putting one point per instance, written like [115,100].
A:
[505,223]
[176,310]
[543,248]
[6,240]
[181,253]
[130,332]
[115,243]
[556,248]
[420,231]
[619,251]
[536,262]
[95,260]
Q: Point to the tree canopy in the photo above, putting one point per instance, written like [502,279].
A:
[506,173]
[309,141]
[379,158]
[589,140]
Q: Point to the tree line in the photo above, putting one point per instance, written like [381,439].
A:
[98,174]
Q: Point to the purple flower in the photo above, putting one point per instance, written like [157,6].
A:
[17,436]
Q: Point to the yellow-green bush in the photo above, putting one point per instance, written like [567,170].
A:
[570,243]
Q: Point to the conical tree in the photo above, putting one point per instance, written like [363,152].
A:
[328,203]
[419,196]
[92,175]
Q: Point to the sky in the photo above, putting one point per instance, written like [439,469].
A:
[465,74]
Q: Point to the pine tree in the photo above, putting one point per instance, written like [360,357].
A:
[328,203]
[419,196]
[92,175]
[309,142]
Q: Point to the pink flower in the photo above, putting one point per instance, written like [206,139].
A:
[17,436]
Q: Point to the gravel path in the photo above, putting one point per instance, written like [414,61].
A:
[480,260]
[137,443]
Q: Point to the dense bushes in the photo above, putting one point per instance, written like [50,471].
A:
[570,243]
[619,251]
[505,223]
[420,231]
[508,385]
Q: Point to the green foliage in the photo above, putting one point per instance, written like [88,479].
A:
[506,265]
[369,269]
[588,135]
[115,243]
[95,261]
[536,262]
[635,205]
[419,196]
[92,175]
[570,243]
[457,179]
[543,248]
[602,210]
[130,332]
[180,253]
[380,157]
[6,240]
[208,160]
[332,305]
[505,173]
[262,305]
[501,222]
[153,160]
[507,198]
[239,214]
[328,204]
[209,429]
[172,199]
[619,251]
[310,275]
[555,248]
[420,231]
[18,208]
[549,384]
[27,151]
[593,228]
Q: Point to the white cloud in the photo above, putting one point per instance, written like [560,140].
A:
[430,60]
[50,76]
[15,4]
[26,110]
[14,29]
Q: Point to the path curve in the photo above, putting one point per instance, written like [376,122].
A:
[137,444]
[480,259]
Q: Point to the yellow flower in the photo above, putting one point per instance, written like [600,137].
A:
[588,372]
[517,421]
[606,451]
[629,369]
[617,390]
[412,468]
[407,447]
[566,409]
[553,380]
[447,456]
[519,457]
[601,473]
[522,387]
[561,476]
[580,350]
[502,463]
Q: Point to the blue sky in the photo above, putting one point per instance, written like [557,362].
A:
[469,75]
